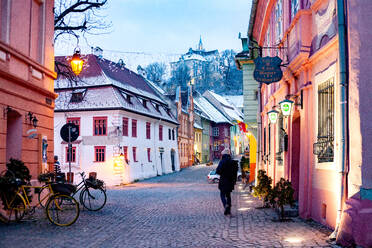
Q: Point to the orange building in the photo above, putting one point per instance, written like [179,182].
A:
[185,116]
[26,83]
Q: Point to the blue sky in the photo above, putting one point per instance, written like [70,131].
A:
[169,26]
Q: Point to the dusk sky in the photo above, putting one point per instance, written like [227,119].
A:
[168,26]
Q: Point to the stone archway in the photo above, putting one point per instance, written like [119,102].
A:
[13,135]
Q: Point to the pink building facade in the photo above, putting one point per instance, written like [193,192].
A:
[27,83]
[322,147]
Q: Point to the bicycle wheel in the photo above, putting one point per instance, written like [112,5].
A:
[16,210]
[93,199]
[62,210]
[41,196]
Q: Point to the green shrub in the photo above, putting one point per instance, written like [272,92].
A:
[16,169]
[263,188]
[282,194]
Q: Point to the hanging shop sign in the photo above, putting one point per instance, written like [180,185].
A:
[268,70]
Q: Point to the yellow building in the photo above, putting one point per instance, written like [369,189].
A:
[198,132]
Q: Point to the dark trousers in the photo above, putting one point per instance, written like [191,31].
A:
[225,198]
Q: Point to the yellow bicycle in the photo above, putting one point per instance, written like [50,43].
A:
[61,209]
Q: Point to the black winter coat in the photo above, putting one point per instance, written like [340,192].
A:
[227,169]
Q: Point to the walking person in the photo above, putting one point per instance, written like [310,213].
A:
[57,167]
[227,170]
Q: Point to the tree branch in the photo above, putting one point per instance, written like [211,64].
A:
[73,7]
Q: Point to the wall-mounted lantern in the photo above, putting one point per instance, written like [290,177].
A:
[77,62]
[273,116]
[286,107]
[31,118]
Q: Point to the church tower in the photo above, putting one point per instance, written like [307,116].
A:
[200,45]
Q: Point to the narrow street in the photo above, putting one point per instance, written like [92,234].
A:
[175,210]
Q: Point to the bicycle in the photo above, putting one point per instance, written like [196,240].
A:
[92,196]
[61,209]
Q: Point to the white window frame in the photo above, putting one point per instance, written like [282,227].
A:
[216,131]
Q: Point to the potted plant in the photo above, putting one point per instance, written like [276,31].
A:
[281,195]
[15,169]
[263,188]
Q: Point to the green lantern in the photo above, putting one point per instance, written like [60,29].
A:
[286,107]
[273,116]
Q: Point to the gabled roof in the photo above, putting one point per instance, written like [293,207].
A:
[99,71]
[228,109]
[107,85]
[208,109]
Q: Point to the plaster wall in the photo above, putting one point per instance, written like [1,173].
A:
[26,79]
[112,170]
[360,73]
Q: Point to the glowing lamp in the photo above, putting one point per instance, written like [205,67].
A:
[273,116]
[77,63]
[286,107]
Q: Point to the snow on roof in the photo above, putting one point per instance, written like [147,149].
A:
[220,98]
[109,97]
[100,71]
[193,57]
[94,98]
[214,115]
[237,100]
[229,110]
[196,125]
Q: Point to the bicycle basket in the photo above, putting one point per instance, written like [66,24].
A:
[95,184]
[63,188]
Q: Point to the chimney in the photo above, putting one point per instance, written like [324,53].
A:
[98,51]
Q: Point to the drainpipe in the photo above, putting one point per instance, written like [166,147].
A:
[259,127]
[343,56]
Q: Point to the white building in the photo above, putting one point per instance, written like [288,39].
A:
[118,113]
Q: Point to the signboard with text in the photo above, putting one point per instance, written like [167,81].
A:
[267,70]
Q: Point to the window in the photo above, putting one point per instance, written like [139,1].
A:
[279,20]
[4,20]
[71,157]
[77,97]
[125,148]
[99,152]
[295,5]
[74,120]
[125,126]
[100,126]
[134,128]
[325,140]
[134,150]
[149,154]
[215,146]
[226,132]
[144,103]
[169,134]
[148,130]
[216,131]
[160,132]
[172,134]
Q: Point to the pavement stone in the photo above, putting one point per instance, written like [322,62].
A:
[175,210]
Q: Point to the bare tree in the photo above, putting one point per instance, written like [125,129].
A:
[76,17]
[155,72]
[181,75]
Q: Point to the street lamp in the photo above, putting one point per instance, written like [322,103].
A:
[286,107]
[273,116]
[76,62]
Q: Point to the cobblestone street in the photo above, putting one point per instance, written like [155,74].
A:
[175,210]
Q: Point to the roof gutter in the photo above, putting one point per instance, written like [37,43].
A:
[252,19]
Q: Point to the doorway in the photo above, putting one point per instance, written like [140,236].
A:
[13,135]
[172,160]
[295,166]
